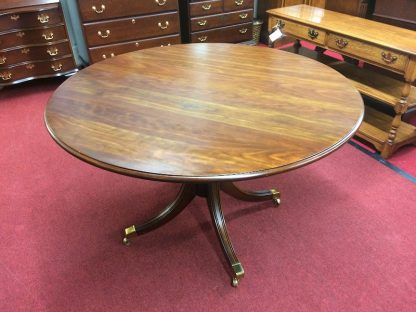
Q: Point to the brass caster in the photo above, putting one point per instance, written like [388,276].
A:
[126,241]
[276,198]
[235,282]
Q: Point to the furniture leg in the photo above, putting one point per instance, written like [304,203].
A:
[400,108]
[184,197]
[253,196]
[217,217]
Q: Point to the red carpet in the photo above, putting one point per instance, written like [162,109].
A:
[343,238]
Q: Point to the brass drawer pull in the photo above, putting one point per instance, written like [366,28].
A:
[6,76]
[243,30]
[203,38]
[14,17]
[239,2]
[48,36]
[202,23]
[388,57]
[25,51]
[280,24]
[3,59]
[163,27]
[312,33]
[52,51]
[167,45]
[243,15]
[56,68]
[20,34]
[111,55]
[137,44]
[206,7]
[163,2]
[98,11]
[43,18]
[30,66]
[341,43]
[107,33]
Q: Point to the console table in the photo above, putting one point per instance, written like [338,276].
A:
[388,47]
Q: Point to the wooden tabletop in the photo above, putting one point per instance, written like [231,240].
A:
[204,112]
[393,37]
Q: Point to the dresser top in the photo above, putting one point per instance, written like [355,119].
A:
[367,30]
[13,4]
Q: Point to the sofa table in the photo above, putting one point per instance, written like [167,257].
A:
[204,115]
[390,48]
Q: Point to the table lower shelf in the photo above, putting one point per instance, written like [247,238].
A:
[376,126]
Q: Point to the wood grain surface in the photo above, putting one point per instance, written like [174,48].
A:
[204,112]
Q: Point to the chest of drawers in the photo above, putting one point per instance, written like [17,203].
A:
[217,20]
[33,41]
[113,27]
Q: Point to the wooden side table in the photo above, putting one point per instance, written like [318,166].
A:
[388,47]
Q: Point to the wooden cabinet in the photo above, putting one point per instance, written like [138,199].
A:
[388,48]
[400,13]
[217,20]
[113,27]
[33,41]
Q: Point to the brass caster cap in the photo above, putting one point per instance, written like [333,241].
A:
[235,282]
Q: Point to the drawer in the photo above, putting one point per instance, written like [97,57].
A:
[34,53]
[29,71]
[233,5]
[368,52]
[205,8]
[299,31]
[137,27]
[218,20]
[238,33]
[94,10]
[33,36]
[50,16]
[101,53]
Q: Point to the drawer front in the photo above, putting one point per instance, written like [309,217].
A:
[30,19]
[101,53]
[205,8]
[34,36]
[219,20]
[239,33]
[36,69]
[368,52]
[94,10]
[300,31]
[233,5]
[131,28]
[35,53]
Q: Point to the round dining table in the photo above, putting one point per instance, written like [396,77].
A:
[205,116]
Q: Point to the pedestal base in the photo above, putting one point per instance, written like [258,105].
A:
[210,191]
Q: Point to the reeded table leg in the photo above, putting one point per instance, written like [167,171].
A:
[214,204]
[211,191]
[254,196]
[184,197]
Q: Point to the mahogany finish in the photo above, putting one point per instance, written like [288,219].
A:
[113,27]
[33,41]
[204,115]
[221,107]
[217,20]
[388,47]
